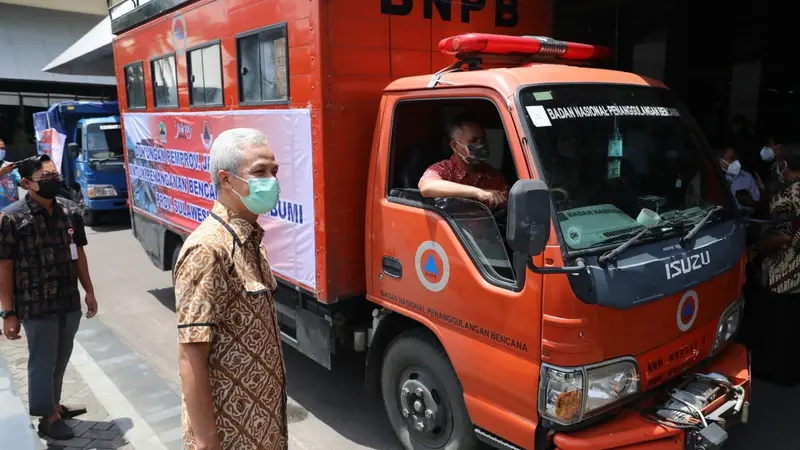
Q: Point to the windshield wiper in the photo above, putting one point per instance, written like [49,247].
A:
[103,160]
[611,254]
[693,232]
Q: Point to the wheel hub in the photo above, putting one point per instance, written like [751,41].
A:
[423,415]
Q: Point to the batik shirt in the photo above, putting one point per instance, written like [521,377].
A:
[781,269]
[224,292]
[39,243]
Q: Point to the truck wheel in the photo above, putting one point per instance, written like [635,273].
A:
[423,396]
[176,251]
[89,217]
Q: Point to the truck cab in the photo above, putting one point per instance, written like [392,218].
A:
[614,271]
[99,165]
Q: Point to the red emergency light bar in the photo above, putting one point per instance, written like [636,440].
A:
[498,44]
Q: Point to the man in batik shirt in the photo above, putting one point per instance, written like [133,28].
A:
[230,358]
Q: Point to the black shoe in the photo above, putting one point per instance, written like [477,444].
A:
[72,411]
[57,429]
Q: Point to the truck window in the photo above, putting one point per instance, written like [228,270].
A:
[104,141]
[263,66]
[420,138]
[205,76]
[165,82]
[607,151]
[134,85]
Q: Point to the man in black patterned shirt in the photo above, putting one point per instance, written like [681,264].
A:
[41,261]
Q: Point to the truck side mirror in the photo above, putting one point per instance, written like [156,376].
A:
[74,150]
[528,225]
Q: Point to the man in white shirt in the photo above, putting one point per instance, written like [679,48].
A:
[739,179]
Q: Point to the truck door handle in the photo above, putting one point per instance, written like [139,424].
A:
[392,267]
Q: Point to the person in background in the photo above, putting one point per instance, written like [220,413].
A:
[466,174]
[229,353]
[776,346]
[771,157]
[41,262]
[744,186]
[746,145]
[9,179]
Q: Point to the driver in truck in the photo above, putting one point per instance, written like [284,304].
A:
[465,174]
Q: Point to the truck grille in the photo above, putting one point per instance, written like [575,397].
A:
[667,365]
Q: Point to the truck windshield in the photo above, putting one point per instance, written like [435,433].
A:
[608,151]
[104,141]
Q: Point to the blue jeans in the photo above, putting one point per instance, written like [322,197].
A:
[50,340]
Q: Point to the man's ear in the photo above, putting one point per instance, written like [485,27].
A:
[224,179]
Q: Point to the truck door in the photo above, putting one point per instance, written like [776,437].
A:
[444,262]
[77,166]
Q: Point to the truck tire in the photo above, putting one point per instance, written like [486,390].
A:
[423,397]
[89,217]
[176,251]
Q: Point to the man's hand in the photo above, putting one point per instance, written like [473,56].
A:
[209,442]
[7,168]
[91,305]
[492,199]
[11,328]
[759,183]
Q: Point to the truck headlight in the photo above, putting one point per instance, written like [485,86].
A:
[101,190]
[728,324]
[570,395]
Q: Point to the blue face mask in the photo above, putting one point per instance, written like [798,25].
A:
[2,154]
[264,194]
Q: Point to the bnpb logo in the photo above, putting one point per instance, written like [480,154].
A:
[207,136]
[687,310]
[179,33]
[433,266]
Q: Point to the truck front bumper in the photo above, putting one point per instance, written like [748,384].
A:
[631,431]
[107,204]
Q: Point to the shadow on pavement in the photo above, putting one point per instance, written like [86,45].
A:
[337,397]
[112,221]
[105,435]
[165,296]
[773,422]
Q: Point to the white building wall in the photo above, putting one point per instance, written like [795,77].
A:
[32,37]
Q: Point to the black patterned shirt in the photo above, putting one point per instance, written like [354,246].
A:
[45,272]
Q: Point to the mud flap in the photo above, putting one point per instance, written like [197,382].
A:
[314,337]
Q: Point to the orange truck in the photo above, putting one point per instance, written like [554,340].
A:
[592,310]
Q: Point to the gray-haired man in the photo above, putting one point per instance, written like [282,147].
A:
[230,359]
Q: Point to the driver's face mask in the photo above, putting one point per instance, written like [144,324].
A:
[731,169]
[475,152]
[767,154]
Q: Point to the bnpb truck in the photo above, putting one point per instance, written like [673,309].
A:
[595,311]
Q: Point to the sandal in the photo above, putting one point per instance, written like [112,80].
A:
[57,429]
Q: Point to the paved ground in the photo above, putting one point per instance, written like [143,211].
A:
[124,370]
[94,430]
[134,344]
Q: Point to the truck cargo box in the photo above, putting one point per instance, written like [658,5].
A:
[333,60]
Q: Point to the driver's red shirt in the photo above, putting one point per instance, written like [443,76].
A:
[483,176]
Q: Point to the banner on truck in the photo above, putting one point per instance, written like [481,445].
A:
[168,165]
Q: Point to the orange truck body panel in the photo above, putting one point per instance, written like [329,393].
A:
[346,61]
[341,56]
